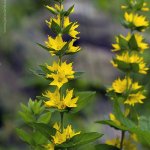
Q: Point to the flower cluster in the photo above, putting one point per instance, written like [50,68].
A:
[59,98]
[67,133]
[61,71]
[127,144]
[129,57]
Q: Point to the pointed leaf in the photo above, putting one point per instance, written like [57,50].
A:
[44,118]
[24,136]
[133,43]
[81,139]
[84,99]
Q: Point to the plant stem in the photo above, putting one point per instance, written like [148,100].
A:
[122,139]
[62,121]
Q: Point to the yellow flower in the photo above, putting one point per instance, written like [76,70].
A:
[56,20]
[54,67]
[135,98]
[61,73]
[134,3]
[114,142]
[144,7]
[139,39]
[127,144]
[59,138]
[121,86]
[136,20]
[59,79]
[72,32]
[67,70]
[73,49]
[132,59]
[113,118]
[67,133]
[68,101]
[55,44]
[55,101]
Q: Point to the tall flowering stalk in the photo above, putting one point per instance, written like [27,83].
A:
[58,98]
[126,92]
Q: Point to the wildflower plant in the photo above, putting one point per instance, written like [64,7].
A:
[127,92]
[39,131]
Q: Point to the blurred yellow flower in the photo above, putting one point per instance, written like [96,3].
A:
[135,98]
[132,59]
[136,20]
[121,86]
[127,144]
[139,39]
[144,6]
[113,118]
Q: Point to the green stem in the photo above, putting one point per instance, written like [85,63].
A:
[122,139]
[62,121]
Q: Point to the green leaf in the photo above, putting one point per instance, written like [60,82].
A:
[123,43]
[27,117]
[38,138]
[81,139]
[84,99]
[67,13]
[53,11]
[26,114]
[112,124]
[105,147]
[78,74]
[135,67]
[119,115]
[122,65]
[63,50]
[55,27]
[44,47]
[24,136]
[45,69]
[36,107]
[133,43]
[44,118]
[139,4]
[38,72]
[144,123]
[142,134]
[67,29]
[44,129]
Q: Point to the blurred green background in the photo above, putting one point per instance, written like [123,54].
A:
[25,25]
